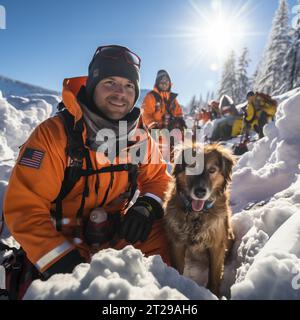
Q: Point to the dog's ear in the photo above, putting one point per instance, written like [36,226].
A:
[177,169]
[227,163]
[179,163]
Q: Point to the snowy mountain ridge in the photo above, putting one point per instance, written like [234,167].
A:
[18,88]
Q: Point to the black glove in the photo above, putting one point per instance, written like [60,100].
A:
[138,221]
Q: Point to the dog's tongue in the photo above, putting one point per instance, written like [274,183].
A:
[198,205]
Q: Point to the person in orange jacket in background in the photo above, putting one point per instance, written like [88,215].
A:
[160,105]
[57,231]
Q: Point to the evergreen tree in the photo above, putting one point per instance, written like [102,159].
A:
[269,77]
[291,67]
[242,79]
[192,106]
[207,98]
[228,80]
[200,102]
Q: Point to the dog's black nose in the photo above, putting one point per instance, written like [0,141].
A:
[200,192]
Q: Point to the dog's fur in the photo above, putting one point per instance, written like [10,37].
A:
[207,231]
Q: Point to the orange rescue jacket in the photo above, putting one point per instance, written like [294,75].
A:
[31,190]
[153,112]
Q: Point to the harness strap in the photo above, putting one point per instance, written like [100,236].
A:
[76,151]
[112,168]
[85,194]
[132,178]
[168,102]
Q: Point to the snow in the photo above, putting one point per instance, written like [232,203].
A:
[16,125]
[25,96]
[265,260]
[122,275]
[275,271]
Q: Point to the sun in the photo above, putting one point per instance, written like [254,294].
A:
[217,28]
[221,35]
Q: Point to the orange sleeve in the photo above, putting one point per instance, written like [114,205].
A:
[153,177]
[148,110]
[177,110]
[30,192]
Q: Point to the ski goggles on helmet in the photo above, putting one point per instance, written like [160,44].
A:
[115,52]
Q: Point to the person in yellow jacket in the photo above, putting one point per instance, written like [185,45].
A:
[160,106]
[259,111]
[58,230]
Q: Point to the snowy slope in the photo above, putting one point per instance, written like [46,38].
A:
[17,88]
[23,95]
[265,261]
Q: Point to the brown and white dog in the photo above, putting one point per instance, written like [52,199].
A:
[197,213]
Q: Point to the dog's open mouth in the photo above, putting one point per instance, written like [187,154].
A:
[197,205]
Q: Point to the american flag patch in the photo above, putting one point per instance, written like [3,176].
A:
[32,158]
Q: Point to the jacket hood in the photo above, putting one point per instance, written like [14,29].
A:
[71,87]
[159,76]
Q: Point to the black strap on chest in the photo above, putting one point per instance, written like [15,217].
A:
[78,154]
[169,103]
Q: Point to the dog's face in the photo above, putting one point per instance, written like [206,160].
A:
[211,182]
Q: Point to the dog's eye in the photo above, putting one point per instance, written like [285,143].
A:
[212,170]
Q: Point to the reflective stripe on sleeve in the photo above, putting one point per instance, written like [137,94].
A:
[53,254]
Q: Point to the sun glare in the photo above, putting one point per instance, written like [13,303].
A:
[214,30]
[221,35]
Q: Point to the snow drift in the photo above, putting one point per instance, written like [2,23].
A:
[124,275]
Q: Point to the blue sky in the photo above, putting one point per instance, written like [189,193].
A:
[46,41]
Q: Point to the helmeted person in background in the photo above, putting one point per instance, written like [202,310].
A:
[63,189]
[160,106]
[260,110]
[213,107]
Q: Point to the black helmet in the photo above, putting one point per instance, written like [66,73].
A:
[250,94]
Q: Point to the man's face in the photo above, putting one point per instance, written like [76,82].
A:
[250,99]
[114,96]
[164,84]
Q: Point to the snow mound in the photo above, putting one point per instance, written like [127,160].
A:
[16,125]
[123,275]
[275,272]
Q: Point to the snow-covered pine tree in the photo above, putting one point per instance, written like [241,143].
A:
[269,77]
[200,102]
[228,79]
[207,98]
[242,79]
[192,105]
[291,67]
